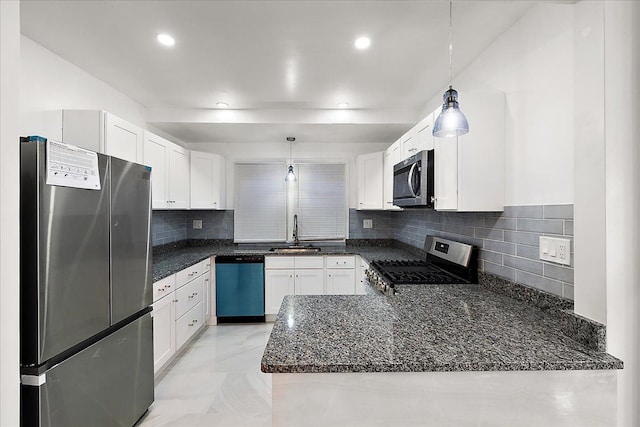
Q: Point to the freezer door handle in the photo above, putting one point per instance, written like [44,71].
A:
[34,380]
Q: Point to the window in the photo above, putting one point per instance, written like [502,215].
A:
[265,203]
[261,203]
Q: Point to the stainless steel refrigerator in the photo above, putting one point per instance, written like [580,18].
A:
[86,345]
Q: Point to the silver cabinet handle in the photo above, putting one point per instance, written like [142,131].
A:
[190,324]
[190,296]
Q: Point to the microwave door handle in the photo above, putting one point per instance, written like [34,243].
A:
[410,179]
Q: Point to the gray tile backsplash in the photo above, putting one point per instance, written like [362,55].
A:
[170,226]
[508,241]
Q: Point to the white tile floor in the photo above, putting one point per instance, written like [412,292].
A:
[216,381]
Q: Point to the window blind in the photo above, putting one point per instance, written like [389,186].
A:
[261,202]
[321,202]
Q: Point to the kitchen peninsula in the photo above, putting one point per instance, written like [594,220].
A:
[432,355]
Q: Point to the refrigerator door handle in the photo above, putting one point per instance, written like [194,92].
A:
[34,380]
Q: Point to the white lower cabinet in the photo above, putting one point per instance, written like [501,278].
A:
[189,324]
[341,281]
[277,285]
[362,267]
[181,308]
[309,282]
[164,332]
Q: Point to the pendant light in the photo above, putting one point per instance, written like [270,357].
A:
[291,177]
[451,121]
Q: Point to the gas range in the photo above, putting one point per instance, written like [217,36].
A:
[447,262]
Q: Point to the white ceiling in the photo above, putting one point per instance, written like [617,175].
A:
[282,66]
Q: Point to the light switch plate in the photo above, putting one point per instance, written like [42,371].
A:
[367,223]
[555,249]
[197,224]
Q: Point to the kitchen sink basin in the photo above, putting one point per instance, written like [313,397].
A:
[295,250]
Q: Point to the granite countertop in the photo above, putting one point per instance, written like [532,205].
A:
[424,328]
[174,260]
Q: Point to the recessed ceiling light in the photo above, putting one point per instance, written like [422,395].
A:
[362,43]
[166,40]
[222,105]
[343,104]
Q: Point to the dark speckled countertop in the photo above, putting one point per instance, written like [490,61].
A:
[425,328]
[178,259]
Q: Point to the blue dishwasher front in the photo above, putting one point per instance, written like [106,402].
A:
[240,288]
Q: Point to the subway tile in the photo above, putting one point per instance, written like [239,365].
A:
[488,233]
[567,291]
[524,264]
[459,229]
[558,211]
[553,226]
[557,272]
[503,223]
[534,211]
[473,221]
[491,256]
[531,239]
[539,282]
[530,252]
[505,248]
[568,228]
[499,270]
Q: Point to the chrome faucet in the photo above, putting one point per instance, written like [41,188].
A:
[295,230]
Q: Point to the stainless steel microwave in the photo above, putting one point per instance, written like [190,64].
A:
[413,180]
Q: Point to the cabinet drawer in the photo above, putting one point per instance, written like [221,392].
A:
[188,324]
[188,274]
[188,296]
[164,287]
[279,262]
[206,265]
[341,262]
[309,262]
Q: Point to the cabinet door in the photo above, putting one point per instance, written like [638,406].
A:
[206,296]
[309,282]
[207,180]
[178,177]
[409,143]
[446,173]
[277,284]
[425,134]
[341,281]
[164,331]
[370,187]
[188,296]
[156,155]
[392,156]
[122,139]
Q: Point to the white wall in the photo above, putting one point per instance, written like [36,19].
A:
[622,136]
[300,151]
[9,213]
[48,82]
[532,63]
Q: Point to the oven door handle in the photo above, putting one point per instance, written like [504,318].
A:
[410,180]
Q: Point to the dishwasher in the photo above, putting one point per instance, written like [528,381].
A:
[240,288]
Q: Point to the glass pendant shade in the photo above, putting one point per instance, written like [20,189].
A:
[451,121]
[291,177]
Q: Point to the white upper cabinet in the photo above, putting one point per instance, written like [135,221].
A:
[392,156]
[94,130]
[208,179]
[178,177]
[370,181]
[469,170]
[169,172]
[418,138]
[122,139]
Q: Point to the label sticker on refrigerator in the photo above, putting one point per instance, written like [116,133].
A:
[71,166]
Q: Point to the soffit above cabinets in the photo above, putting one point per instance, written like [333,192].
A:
[276,63]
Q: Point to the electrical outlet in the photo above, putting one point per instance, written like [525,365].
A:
[197,224]
[367,223]
[556,250]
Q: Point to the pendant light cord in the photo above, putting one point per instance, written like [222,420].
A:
[450,41]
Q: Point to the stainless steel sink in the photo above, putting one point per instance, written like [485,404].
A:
[295,250]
